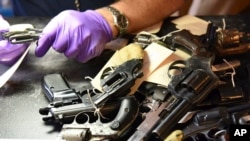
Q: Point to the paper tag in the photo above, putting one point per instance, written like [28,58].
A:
[160,75]
[195,25]
[155,55]
[7,75]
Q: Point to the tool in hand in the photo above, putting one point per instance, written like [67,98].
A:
[22,33]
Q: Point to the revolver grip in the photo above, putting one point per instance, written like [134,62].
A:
[190,43]
[129,108]
[112,130]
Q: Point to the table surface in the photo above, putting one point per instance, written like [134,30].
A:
[21,97]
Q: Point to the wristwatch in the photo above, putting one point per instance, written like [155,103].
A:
[120,20]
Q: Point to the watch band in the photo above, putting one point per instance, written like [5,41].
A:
[120,20]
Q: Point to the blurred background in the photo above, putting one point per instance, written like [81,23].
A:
[6,8]
[215,7]
[191,7]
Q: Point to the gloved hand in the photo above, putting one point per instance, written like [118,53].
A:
[79,35]
[9,53]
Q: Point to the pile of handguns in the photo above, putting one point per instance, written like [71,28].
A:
[196,101]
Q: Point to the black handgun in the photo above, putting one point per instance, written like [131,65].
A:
[213,124]
[66,103]
[191,86]
[119,82]
[98,130]
[56,87]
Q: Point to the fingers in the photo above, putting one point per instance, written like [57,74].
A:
[56,34]
[47,38]
[79,35]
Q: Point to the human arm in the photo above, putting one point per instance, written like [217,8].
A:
[83,35]
[141,13]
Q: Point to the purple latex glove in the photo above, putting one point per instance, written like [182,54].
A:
[79,35]
[9,53]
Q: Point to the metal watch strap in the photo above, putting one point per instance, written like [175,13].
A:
[117,15]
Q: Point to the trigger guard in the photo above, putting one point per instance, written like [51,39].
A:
[107,71]
[126,116]
[174,67]
[85,116]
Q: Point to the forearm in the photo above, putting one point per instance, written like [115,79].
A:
[142,13]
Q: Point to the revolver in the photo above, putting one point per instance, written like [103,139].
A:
[97,130]
[226,42]
[119,82]
[189,85]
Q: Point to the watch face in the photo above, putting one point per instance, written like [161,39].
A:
[122,21]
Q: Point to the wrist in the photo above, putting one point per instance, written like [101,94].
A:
[108,17]
[118,21]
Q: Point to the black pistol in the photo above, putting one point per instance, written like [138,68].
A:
[65,102]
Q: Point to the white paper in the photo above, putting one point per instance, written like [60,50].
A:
[7,75]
